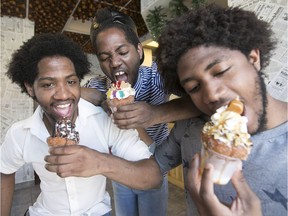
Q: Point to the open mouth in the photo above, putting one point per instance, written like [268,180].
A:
[63,110]
[121,76]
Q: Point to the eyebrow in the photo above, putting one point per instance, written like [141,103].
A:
[108,53]
[186,80]
[216,61]
[208,67]
[52,78]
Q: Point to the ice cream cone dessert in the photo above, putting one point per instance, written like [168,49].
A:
[226,141]
[64,134]
[120,93]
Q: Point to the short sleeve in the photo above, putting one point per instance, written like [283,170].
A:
[168,154]
[11,153]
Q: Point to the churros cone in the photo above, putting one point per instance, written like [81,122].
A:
[226,141]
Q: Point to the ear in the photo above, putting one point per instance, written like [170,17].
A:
[140,50]
[29,89]
[254,58]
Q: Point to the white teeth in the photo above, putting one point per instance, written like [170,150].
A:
[63,106]
[119,73]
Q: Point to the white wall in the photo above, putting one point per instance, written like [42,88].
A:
[14,105]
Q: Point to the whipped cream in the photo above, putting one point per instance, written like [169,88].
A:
[229,127]
[120,90]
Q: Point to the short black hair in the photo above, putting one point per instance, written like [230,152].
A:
[106,18]
[23,68]
[211,25]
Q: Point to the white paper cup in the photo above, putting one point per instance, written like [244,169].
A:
[224,166]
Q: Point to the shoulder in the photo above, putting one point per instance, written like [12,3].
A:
[189,128]
[86,107]
[189,123]
[149,71]
[277,133]
[99,82]
[19,126]
[31,122]
[151,77]
[19,131]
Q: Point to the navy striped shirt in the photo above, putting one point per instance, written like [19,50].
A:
[149,87]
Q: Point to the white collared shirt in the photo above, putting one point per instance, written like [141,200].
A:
[25,142]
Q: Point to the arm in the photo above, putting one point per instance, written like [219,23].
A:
[7,191]
[82,161]
[93,95]
[144,115]
[144,136]
[175,110]
[201,190]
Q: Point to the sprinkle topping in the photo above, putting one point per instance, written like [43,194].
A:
[120,90]
[66,128]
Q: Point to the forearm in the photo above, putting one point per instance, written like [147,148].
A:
[7,190]
[144,136]
[141,175]
[81,161]
[93,95]
[175,110]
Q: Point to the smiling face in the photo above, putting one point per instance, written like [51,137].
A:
[213,76]
[118,58]
[56,89]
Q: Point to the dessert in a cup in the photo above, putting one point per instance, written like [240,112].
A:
[119,94]
[64,134]
[226,141]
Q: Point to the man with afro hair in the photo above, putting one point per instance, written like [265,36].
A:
[49,68]
[214,55]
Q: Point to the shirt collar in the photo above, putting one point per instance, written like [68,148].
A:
[37,127]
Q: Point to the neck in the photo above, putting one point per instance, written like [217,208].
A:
[276,112]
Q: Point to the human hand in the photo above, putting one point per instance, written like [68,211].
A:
[201,190]
[136,115]
[74,160]
[106,107]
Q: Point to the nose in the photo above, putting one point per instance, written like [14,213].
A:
[62,92]
[115,61]
[212,92]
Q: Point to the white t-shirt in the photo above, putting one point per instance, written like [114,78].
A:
[25,142]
